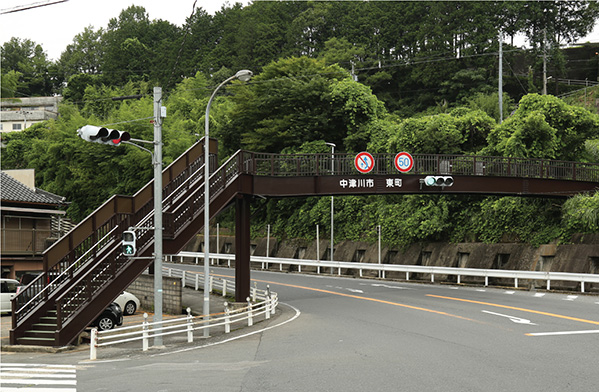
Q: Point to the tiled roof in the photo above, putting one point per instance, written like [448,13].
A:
[13,190]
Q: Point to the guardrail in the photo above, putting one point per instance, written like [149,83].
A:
[516,275]
[263,302]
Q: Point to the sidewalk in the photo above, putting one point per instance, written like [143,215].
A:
[190,298]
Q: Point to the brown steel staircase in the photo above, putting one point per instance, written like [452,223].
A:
[85,270]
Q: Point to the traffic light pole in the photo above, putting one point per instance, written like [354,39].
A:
[157,210]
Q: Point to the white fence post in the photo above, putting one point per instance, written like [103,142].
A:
[197,282]
[210,281]
[227,318]
[582,286]
[189,326]
[224,287]
[254,289]
[145,334]
[183,278]
[250,314]
[93,347]
[267,303]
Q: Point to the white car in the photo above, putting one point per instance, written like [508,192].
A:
[7,291]
[128,302]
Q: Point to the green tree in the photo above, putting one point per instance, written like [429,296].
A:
[544,127]
[296,100]
[30,64]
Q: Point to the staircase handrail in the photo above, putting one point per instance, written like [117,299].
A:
[57,278]
[62,254]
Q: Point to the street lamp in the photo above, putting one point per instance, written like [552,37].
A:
[332,145]
[243,75]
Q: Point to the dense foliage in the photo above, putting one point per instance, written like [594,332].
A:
[425,85]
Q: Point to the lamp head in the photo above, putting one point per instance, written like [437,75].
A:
[244,75]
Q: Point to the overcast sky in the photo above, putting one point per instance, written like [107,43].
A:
[55,26]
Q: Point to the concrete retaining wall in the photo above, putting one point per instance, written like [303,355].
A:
[581,256]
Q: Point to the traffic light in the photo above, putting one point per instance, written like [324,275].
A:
[438,181]
[129,239]
[92,133]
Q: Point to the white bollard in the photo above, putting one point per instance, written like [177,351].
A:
[146,334]
[93,346]
[250,315]
[197,282]
[183,278]
[189,326]
[254,289]
[224,287]
[210,281]
[227,318]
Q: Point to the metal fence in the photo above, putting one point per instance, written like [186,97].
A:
[320,265]
[263,303]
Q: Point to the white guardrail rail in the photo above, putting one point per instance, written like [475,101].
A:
[261,303]
[407,269]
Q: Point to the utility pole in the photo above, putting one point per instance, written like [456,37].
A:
[157,210]
[544,62]
[500,91]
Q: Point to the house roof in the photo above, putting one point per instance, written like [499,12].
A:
[15,191]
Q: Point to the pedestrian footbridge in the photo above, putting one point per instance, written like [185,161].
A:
[85,270]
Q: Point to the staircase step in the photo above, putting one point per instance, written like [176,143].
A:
[44,327]
[36,341]
[34,333]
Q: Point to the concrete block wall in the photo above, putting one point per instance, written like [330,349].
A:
[143,288]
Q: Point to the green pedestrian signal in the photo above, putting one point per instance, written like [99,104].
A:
[129,240]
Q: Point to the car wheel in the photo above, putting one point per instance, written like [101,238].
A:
[130,308]
[105,323]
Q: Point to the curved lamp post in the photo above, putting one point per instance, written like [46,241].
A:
[243,75]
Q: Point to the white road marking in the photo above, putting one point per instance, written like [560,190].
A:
[563,333]
[37,377]
[389,286]
[514,319]
[509,292]
[539,295]
[570,297]
[355,290]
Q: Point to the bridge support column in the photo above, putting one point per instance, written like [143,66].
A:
[242,248]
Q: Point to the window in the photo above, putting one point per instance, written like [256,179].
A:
[16,127]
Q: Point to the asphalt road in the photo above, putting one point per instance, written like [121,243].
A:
[340,334]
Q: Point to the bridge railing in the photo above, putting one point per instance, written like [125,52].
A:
[265,164]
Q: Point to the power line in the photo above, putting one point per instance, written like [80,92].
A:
[26,7]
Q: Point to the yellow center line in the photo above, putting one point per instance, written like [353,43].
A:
[516,308]
[367,299]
